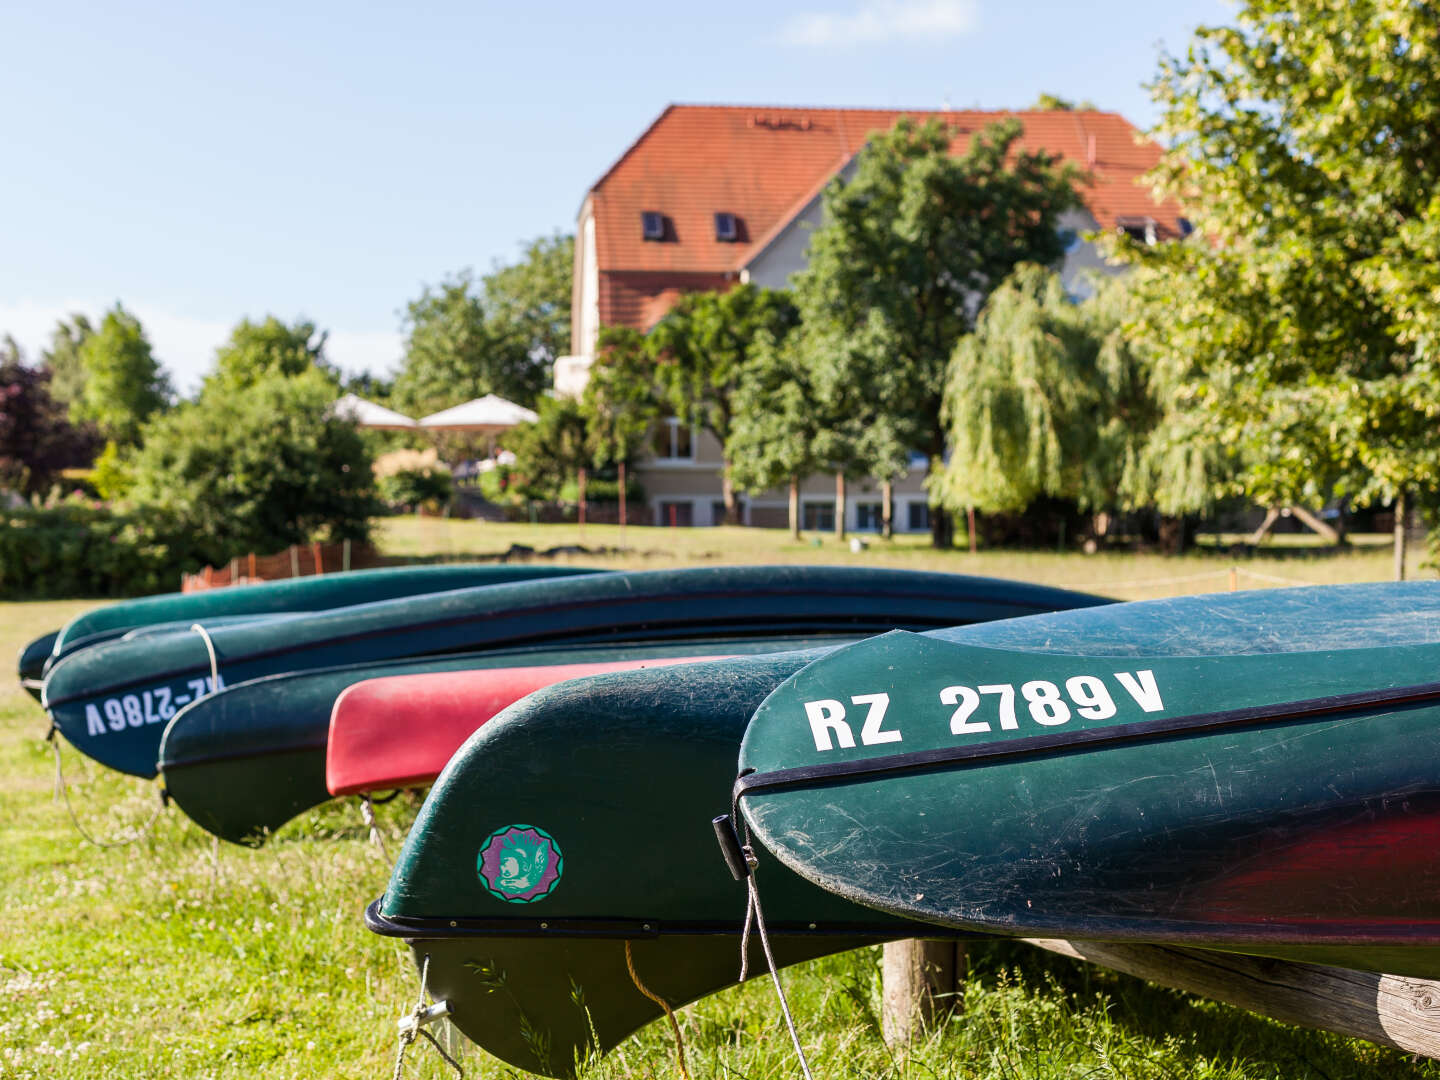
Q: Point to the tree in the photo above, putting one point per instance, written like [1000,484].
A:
[1055,103]
[620,403]
[1046,397]
[550,450]
[37,439]
[910,248]
[124,385]
[255,350]
[498,335]
[701,347]
[67,370]
[257,471]
[1300,335]
[527,304]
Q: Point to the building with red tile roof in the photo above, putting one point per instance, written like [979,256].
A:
[712,195]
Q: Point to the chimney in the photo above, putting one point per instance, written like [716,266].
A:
[1090,152]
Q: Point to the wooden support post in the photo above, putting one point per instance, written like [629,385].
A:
[1271,516]
[250,569]
[294,561]
[1391,1010]
[345,556]
[1400,537]
[1234,579]
[921,981]
[319,556]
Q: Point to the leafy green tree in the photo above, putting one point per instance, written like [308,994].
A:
[1298,336]
[124,384]
[1055,103]
[1046,397]
[909,249]
[67,370]
[620,403]
[550,450]
[701,347]
[527,303]
[37,439]
[257,349]
[257,471]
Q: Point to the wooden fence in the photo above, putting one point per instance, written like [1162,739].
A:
[296,561]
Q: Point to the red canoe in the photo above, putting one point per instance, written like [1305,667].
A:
[400,731]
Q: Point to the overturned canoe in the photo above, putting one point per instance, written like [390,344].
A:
[320,593]
[574,828]
[1041,781]
[112,701]
[243,762]
[31,662]
[400,731]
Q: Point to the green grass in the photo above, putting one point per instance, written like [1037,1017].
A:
[162,960]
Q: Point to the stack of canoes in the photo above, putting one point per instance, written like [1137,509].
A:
[906,755]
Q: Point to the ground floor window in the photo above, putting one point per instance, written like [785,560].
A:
[918,519]
[676,513]
[868,517]
[818,517]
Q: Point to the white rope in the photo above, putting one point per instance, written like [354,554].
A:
[210,648]
[753,905]
[62,791]
[367,815]
[417,1018]
[1270,577]
[1145,583]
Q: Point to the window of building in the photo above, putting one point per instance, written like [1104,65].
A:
[818,516]
[868,517]
[673,441]
[1141,229]
[918,517]
[652,225]
[727,229]
[676,513]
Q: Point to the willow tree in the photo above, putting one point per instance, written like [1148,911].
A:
[1299,336]
[1046,397]
[917,238]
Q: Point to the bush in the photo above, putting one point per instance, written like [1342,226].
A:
[413,478]
[258,469]
[77,547]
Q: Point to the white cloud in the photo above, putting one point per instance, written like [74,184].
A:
[877,21]
[186,345]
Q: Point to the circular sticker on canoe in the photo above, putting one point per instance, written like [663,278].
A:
[520,864]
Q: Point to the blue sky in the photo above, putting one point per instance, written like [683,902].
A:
[203,162]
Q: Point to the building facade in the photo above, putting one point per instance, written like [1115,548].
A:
[709,197]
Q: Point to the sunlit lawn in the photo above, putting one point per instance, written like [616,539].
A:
[162,960]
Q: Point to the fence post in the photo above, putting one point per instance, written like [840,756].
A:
[345,556]
[294,561]
[319,555]
[920,981]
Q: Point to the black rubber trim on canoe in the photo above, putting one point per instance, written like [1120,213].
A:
[623,929]
[752,783]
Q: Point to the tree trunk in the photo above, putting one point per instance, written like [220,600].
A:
[582,498]
[1316,525]
[727,493]
[887,508]
[840,506]
[1400,536]
[942,529]
[622,494]
[1272,515]
[920,981]
[1391,1010]
[795,507]
[970,536]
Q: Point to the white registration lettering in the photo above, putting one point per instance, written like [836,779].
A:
[1141,686]
[872,733]
[827,716]
[966,701]
[93,724]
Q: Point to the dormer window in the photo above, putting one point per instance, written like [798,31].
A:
[652,225]
[727,229]
[1139,229]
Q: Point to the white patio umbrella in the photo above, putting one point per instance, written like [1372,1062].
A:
[488,415]
[368,414]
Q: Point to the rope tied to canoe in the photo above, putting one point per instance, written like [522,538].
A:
[62,793]
[209,648]
[413,1025]
[669,1012]
[755,916]
[367,815]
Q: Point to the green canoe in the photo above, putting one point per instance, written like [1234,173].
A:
[31,663]
[1130,774]
[243,762]
[621,773]
[112,701]
[319,593]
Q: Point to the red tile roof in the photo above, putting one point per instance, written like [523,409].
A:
[765,164]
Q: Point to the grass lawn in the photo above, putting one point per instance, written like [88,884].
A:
[170,959]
